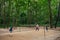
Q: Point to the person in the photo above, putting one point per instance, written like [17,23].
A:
[37,27]
[10,29]
[46,27]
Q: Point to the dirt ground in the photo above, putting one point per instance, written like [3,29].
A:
[29,34]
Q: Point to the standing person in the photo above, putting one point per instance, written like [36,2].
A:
[46,27]
[10,29]
[37,27]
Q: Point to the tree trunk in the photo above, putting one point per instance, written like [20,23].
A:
[57,18]
[9,10]
[29,13]
[3,11]
[0,13]
[49,4]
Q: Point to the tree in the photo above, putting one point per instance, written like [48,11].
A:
[35,11]
[49,4]
[57,18]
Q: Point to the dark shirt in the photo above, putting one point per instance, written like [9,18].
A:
[10,29]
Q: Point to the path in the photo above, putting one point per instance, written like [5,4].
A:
[30,35]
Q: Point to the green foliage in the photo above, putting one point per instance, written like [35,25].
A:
[18,12]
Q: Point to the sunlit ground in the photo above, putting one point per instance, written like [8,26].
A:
[28,34]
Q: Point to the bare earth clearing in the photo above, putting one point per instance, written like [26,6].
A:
[28,34]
